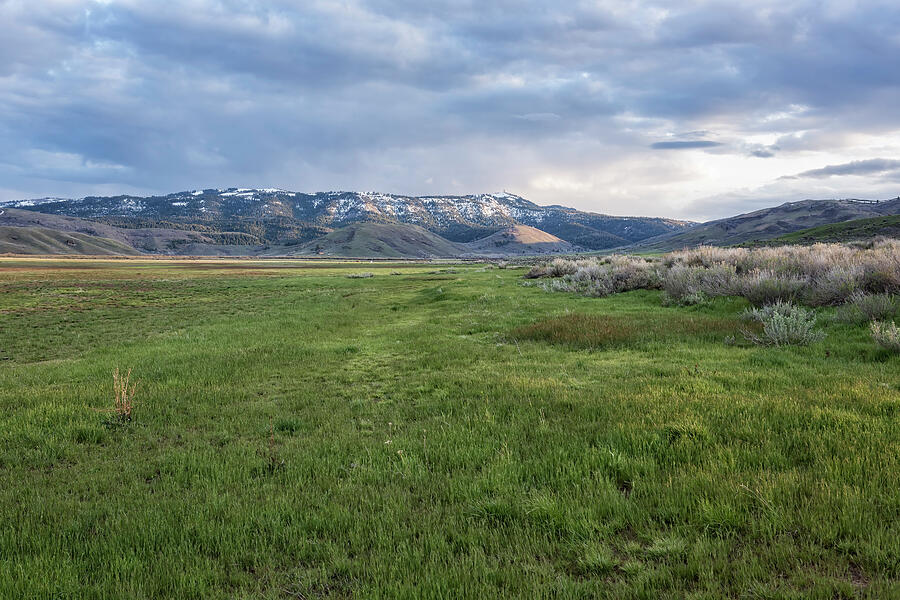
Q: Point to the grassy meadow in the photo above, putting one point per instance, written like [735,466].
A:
[432,431]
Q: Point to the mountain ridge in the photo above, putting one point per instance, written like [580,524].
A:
[457,218]
[269,221]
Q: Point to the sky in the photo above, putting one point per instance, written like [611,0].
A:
[687,109]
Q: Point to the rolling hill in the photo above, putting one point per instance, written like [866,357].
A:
[40,240]
[519,239]
[848,231]
[403,240]
[770,223]
[383,240]
[155,240]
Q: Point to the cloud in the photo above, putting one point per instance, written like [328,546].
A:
[560,101]
[857,167]
[684,145]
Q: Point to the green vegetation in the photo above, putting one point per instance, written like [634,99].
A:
[297,433]
[778,222]
[848,231]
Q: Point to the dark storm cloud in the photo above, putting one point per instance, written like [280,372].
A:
[856,167]
[383,93]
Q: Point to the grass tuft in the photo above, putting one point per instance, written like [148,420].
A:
[123,390]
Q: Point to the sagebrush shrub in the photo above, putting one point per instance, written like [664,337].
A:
[763,313]
[555,268]
[720,280]
[786,324]
[682,284]
[886,334]
[863,307]
[833,286]
[766,287]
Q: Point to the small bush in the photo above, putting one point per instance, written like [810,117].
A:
[880,277]
[560,266]
[682,285]
[536,272]
[833,287]
[766,287]
[559,285]
[690,299]
[765,313]
[886,334]
[720,280]
[864,307]
[360,275]
[785,325]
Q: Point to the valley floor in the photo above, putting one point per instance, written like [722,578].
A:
[299,433]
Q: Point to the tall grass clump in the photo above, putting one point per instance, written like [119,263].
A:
[886,334]
[123,391]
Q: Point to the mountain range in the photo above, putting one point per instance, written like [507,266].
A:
[274,220]
[367,224]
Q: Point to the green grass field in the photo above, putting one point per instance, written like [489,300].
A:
[434,433]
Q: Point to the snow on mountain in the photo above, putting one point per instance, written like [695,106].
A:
[459,218]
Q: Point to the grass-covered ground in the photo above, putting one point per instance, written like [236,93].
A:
[857,229]
[429,434]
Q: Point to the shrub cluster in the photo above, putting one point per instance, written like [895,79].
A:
[818,275]
[599,277]
[863,279]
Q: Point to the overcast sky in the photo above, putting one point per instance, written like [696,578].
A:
[681,109]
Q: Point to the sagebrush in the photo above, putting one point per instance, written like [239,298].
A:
[818,275]
[886,335]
